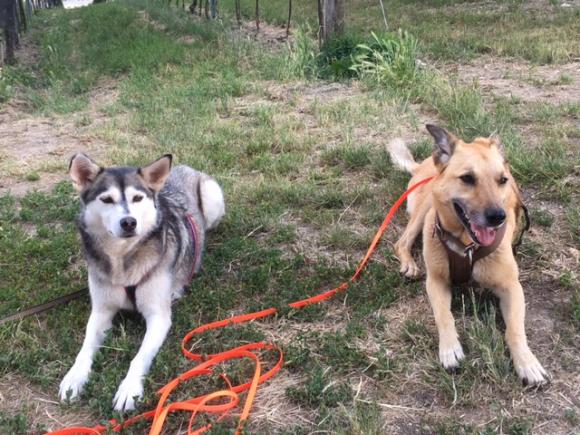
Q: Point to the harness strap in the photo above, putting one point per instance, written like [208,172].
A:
[193,231]
[461,257]
[130,290]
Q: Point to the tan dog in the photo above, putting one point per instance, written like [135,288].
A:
[473,204]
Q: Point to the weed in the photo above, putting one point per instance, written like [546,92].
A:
[319,390]
[32,176]
[541,217]
[389,60]
[302,54]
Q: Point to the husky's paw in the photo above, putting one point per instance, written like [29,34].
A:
[73,383]
[130,391]
[451,356]
[530,370]
[410,269]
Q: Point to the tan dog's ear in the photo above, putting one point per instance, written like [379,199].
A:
[496,141]
[445,144]
[83,171]
[156,173]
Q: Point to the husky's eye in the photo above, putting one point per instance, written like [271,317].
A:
[468,179]
[137,198]
[503,180]
[107,200]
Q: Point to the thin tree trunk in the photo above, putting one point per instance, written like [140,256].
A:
[289,18]
[239,13]
[258,15]
[320,23]
[333,16]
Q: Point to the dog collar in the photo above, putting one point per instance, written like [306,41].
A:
[462,257]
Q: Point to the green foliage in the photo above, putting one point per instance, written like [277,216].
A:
[319,390]
[17,424]
[302,54]
[389,60]
[337,56]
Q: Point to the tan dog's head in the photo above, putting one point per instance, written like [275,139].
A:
[474,185]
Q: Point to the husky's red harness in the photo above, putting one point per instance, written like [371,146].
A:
[193,231]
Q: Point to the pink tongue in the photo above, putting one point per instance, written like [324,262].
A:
[485,235]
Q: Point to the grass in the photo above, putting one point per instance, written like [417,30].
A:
[448,31]
[307,181]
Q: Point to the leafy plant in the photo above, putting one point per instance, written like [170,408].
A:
[302,54]
[389,60]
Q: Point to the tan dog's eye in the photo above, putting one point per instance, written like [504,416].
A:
[468,179]
[107,200]
[503,180]
[137,198]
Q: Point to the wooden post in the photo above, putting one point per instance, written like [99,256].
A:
[9,21]
[239,13]
[289,18]
[333,19]
[320,23]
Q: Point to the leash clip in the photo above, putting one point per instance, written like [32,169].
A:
[469,253]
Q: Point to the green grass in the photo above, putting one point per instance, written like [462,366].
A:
[307,181]
[450,33]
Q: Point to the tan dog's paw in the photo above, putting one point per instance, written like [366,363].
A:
[530,370]
[410,269]
[451,356]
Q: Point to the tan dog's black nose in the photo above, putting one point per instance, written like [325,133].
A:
[494,216]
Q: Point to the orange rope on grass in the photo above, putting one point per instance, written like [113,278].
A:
[249,351]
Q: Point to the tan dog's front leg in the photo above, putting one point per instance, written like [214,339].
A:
[403,246]
[450,350]
[513,309]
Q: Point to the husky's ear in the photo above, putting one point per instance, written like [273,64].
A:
[83,171]
[156,173]
[444,144]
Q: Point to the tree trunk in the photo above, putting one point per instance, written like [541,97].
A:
[333,19]
[289,18]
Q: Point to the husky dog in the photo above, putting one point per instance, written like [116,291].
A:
[143,232]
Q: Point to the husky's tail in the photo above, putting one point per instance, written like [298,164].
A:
[212,201]
[401,156]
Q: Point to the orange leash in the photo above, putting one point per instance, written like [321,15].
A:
[228,399]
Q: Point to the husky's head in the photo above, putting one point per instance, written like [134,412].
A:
[118,201]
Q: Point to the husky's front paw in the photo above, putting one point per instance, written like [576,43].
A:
[529,369]
[451,356]
[73,383]
[130,391]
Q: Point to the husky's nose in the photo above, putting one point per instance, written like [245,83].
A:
[494,216]
[128,224]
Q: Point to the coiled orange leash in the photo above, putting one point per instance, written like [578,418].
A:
[229,399]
